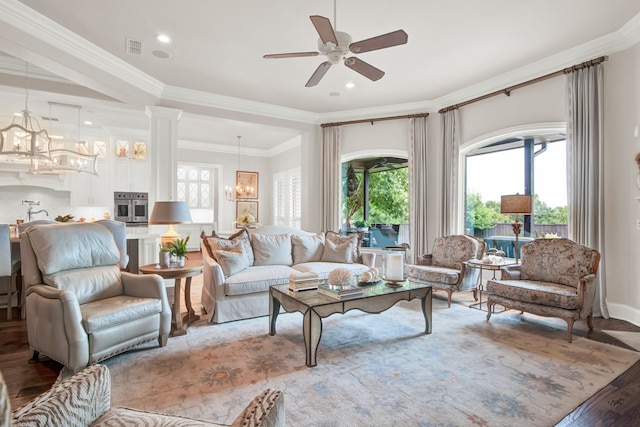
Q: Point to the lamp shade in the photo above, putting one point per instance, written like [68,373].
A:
[518,204]
[170,213]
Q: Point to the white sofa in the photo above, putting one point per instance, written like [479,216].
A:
[239,271]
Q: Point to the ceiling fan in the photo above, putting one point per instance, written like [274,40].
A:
[336,45]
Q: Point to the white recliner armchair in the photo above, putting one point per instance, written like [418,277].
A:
[80,307]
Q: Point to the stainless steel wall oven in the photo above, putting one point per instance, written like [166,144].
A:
[132,208]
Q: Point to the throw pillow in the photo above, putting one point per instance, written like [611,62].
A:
[271,249]
[240,239]
[342,253]
[232,262]
[356,238]
[307,248]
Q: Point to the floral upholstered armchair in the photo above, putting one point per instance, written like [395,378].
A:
[557,278]
[445,268]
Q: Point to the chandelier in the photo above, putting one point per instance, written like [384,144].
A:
[24,142]
[233,193]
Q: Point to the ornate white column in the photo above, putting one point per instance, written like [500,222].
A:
[163,123]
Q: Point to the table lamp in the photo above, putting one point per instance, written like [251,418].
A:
[516,204]
[170,213]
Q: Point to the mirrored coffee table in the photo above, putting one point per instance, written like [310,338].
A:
[314,306]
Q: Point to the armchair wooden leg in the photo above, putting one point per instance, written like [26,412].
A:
[489,309]
[569,328]
[35,357]
[590,321]
[449,293]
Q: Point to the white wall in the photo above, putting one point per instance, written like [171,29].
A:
[622,208]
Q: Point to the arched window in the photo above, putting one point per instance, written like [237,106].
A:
[375,194]
[531,163]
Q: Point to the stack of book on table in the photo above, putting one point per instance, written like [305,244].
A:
[303,281]
[340,292]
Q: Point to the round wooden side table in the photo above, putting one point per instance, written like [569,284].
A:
[190,269]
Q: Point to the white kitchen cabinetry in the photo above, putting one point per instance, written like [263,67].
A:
[91,190]
[193,231]
[131,175]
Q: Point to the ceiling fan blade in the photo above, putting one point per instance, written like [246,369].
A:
[367,70]
[318,74]
[324,29]
[290,55]
[394,38]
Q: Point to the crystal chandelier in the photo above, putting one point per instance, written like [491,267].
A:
[25,142]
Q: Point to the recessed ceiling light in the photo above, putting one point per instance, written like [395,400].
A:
[163,38]
[350,85]
[334,93]
[88,122]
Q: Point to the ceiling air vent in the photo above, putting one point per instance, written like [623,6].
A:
[134,47]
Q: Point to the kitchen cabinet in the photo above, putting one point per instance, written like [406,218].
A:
[91,190]
[193,231]
[131,175]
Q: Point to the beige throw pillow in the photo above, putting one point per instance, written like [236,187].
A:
[307,248]
[232,262]
[338,239]
[271,249]
[342,253]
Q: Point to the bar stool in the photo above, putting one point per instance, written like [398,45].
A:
[9,270]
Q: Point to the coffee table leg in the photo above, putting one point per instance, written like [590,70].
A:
[312,331]
[426,303]
[274,310]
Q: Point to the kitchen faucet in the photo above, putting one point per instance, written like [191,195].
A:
[30,211]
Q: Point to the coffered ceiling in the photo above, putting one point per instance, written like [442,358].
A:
[213,69]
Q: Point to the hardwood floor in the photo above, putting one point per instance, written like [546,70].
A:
[616,404]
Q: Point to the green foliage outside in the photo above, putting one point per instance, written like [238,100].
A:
[481,215]
[388,198]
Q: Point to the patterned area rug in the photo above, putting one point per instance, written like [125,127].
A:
[374,370]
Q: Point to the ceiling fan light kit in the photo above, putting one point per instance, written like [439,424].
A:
[336,46]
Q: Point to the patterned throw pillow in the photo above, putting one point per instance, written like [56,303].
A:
[356,238]
[241,239]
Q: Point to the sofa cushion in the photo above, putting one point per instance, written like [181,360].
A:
[109,312]
[307,248]
[257,278]
[77,246]
[536,292]
[322,269]
[338,239]
[436,274]
[232,261]
[272,249]
[88,284]
[342,253]
[135,417]
[240,239]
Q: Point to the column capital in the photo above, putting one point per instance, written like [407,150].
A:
[156,111]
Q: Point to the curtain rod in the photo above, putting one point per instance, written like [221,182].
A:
[378,119]
[507,91]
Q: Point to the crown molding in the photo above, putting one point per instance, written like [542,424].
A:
[229,149]
[42,28]
[212,100]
